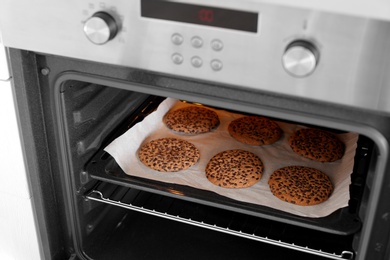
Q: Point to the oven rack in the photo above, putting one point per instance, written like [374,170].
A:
[194,214]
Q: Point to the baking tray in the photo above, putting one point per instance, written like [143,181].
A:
[344,221]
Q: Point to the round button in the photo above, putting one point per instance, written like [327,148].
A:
[196,42]
[216,65]
[216,45]
[196,62]
[177,58]
[100,28]
[177,38]
[300,58]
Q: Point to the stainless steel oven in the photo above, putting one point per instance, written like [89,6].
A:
[85,72]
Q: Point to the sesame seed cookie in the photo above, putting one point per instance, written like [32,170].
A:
[168,154]
[316,144]
[191,120]
[255,130]
[300,185]
[234,169]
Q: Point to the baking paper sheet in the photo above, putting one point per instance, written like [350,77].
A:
[124,150]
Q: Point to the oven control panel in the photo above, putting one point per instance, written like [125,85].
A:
[251,44]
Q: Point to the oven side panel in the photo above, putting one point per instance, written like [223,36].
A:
[52,234]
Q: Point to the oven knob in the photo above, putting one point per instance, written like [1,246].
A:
[100,28]
[300,58]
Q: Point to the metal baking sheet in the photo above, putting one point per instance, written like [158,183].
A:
[103,167]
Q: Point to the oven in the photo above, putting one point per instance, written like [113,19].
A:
[86,73]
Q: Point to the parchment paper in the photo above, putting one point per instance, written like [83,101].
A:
[124,150]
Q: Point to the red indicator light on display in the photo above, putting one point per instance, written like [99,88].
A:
[206,15]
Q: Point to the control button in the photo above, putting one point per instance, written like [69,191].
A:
[216,45]
[300,58]
[177,58]
[100,28]
[177,39]
[196,62]
[196,42]
[216,65]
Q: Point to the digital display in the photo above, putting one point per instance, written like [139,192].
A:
[199,14]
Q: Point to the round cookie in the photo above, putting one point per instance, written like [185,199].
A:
[255,130]
[300,185]
[316,144]
[234,169]
[168,154]
[191,120]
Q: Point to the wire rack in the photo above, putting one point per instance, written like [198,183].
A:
[216,219]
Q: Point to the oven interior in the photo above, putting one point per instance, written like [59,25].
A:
[120,216]
[92,210]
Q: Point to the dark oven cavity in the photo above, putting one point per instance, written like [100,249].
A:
[96,114]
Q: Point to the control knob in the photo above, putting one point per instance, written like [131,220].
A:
[300,58]
[100,28]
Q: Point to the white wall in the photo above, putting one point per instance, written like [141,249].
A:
[18,240]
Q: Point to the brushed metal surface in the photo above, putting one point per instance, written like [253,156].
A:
[353,69]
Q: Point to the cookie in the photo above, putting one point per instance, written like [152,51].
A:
[234,169]
[168,154]
[191,120]
[255,130]
[316,144]
[300,185]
